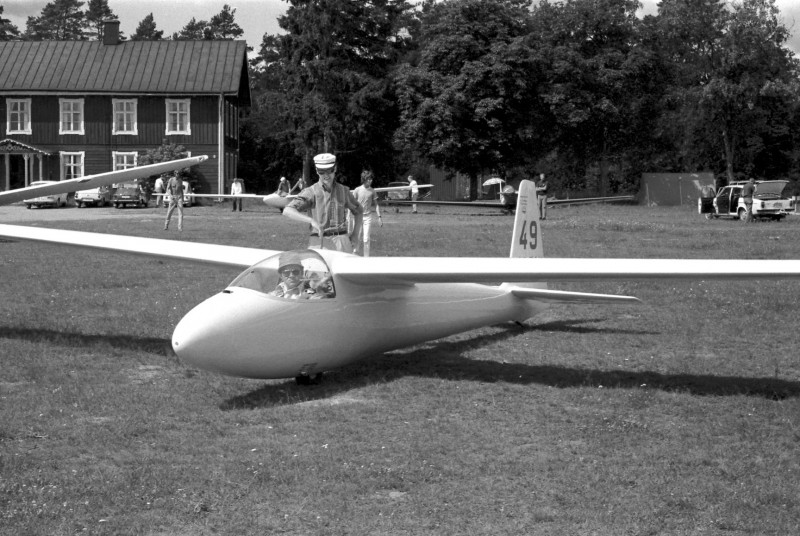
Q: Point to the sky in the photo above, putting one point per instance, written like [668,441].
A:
[257,17]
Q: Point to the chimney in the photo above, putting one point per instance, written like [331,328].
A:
[110,32]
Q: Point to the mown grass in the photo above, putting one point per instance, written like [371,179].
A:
[679,416]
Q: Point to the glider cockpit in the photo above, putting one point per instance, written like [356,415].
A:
[291,275]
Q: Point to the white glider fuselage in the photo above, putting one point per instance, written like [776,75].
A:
[243,332]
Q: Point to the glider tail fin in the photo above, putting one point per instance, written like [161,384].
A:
[526,240]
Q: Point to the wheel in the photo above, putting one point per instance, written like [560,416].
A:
[28,206]
[742,214]
[116,205]
[308,380]
[710,215]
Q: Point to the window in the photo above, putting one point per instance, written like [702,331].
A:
[18,116]
[124,116]
[178,116]
[71,116]
[71,165]
[124,160]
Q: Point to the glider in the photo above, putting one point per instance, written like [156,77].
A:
[508,202]
[280,201]
[349,308]
[94,181]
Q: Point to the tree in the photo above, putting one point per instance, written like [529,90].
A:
[146,31]
[8,31]
[596,80]
[736,82]
[60,20]
[471,104]
[167,152]
[97,12]
[222,25]
[194,30]
[336,57]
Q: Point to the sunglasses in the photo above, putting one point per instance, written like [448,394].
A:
[295,271]
[326,172]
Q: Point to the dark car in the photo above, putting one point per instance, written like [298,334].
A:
[129,193]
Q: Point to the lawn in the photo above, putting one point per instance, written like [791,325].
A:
[677,416]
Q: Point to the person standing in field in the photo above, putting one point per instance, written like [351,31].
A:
[237,188]
[747,197]
[328,201]
[541,195]
[175,190]
[159,189]
[368,199]
[414,193]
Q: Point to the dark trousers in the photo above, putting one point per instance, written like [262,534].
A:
[239,202]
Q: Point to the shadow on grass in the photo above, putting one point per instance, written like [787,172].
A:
[445,360]
[80,340]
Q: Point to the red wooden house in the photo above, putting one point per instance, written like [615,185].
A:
[74,108]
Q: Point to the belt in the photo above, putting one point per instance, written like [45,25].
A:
[330,233]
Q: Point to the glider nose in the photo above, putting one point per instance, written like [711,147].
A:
[215,335]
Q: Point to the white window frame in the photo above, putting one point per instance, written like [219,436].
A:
[25,113]
[68,155]
[76,107]
[187,112]
[114,162]
[116,124]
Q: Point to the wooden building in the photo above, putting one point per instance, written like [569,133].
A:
[74,108]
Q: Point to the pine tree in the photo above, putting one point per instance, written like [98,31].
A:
[146,31]
[8,31]
[222,25]
[60,20]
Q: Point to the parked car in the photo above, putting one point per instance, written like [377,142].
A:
[96,197]
[128,193]
[53,200]
[769,201]
[188,198]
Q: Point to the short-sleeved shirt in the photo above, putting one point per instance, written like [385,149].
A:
[367,198]
[414,187]
[327,208]
[748,190]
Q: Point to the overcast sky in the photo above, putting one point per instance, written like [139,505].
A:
[257,17]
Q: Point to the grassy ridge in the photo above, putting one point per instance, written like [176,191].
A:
[679,416]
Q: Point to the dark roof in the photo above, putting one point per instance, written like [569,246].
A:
[133,67]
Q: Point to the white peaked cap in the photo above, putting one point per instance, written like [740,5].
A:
[324,161]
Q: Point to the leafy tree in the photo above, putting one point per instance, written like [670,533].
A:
[596,80]
[470,103]
[336,57]
[736,83]
[222,25]
[194,30]
[60,20]
[8,31]
[146,31]
[97,12]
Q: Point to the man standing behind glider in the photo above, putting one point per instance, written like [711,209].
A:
[328,202]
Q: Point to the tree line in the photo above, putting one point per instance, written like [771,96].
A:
[582,90]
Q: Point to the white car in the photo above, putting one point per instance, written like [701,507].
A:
[53,200]
[769,201]
[96,196]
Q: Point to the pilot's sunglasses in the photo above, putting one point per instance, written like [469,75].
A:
[296,271]
[325,172]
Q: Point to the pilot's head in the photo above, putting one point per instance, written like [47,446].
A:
[325,163]
[290,269]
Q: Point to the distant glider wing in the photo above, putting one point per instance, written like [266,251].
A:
[102,179]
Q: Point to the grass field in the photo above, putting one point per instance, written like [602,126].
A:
[678,416]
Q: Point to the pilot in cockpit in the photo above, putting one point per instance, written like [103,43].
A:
[298,284]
